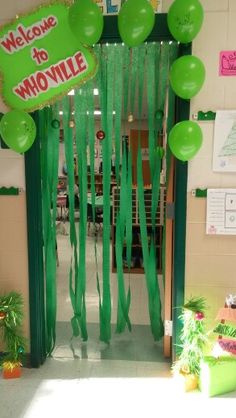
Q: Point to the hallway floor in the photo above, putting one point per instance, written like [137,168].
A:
[127,378]
[102,389]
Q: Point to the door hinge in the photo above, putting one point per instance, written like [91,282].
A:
[170,210]
[168,328]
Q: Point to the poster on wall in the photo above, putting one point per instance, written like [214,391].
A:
[112,7]
[227,64]
[221,212]
[224,149]
[40,59]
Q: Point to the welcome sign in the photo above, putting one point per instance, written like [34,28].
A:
[40,59]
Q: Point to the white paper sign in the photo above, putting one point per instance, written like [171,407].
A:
[112,7]
[221,212]
[224,152]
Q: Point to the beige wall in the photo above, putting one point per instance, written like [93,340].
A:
[13,233]
[211,260]
[13,230]
[13,251]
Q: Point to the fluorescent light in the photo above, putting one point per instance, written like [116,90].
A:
[96,112]
[72,92]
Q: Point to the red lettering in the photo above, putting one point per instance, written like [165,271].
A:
[22,33]
[51,73]
[22,36]
[70,64]
[52,21]
[28,37]
[44,26]
[58,70]
[64,71]
[36,31]
[27,88]
[9,42]
[34,86]
[42,81]
[19,41]
[82,66]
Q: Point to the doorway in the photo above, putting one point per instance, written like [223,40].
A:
[108,217]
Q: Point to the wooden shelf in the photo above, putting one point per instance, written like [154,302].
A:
[137,245]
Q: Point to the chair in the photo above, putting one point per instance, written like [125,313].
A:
[98,221]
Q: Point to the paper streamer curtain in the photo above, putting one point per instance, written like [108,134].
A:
[125,78]
[49,163]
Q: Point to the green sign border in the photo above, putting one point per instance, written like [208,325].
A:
[70,48]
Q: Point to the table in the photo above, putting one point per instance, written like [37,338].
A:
[98,201]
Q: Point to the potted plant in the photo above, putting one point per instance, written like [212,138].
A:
[11,317]
[193,339]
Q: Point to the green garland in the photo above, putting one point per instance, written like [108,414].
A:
[193,337]
[11,318]
[226,330]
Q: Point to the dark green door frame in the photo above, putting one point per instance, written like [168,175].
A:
[34,210]
[35,251]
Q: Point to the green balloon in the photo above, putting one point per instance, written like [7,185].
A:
[18,130]
[187,75]
[185,19]
[135,21]
[185,140]
[86,21]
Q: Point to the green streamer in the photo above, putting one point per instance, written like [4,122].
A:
[91,137]
[151,104]
[128,229]
[157,52]
[154,157]
[141,67]
[126,71]
[154,302]
[73,273]
[81,146]
[102,98]
[169,114]
[163,74]
[105,78]
[49,157]
[134,68]
[123,301]
[119,51]
[149,257]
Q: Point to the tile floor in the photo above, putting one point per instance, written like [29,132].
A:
[128,378]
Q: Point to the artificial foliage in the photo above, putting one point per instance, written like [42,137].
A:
[193,337]
[11,318]
[226,330]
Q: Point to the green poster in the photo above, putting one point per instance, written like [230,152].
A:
[40,59]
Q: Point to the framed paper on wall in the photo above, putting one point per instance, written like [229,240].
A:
[224,151]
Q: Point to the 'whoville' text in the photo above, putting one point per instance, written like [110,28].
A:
[51,77]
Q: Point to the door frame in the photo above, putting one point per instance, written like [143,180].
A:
[110,34]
